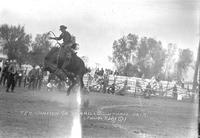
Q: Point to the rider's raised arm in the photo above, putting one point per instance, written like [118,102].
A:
[59,38]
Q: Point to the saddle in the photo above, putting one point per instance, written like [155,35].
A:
[69,49]
[65,52]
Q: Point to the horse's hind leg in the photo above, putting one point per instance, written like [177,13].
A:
[71,86]
[83,89]
[81,81]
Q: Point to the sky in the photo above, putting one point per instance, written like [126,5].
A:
[97,23]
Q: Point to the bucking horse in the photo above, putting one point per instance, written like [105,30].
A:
[74,70]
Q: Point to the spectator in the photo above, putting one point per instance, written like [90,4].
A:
[148,91]
[138,87]
[32,78]
[105,83]
[12,70]
[148,87]
[175,91]
[111,89]
[19,76]
[39,79]
[4,76]
[161,89]
[116,73]
[89,82]
[25,72]
[101,72]
[96,71]
[182,84]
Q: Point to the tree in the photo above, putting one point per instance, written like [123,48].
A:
[122,50]
[184,61]
[40,47]
[150,57]
[132,55]
[158,55]
[17,42]
[131,70]
[169,60]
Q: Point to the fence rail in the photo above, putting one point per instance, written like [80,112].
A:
[163,88]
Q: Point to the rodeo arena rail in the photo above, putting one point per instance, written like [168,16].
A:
[122,85]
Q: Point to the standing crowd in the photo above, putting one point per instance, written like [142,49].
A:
[13,74]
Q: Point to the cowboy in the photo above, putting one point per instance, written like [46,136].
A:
[67,47]
[66,37]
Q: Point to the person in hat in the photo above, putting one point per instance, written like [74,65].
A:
[12,71]
[67,47]
[65,36]
[5,73]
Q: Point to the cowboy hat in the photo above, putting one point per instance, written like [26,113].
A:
[63,27]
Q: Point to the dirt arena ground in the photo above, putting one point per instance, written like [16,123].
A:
[42,114]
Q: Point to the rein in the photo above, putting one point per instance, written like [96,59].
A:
[59,47]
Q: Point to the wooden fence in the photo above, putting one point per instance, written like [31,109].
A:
[163,88]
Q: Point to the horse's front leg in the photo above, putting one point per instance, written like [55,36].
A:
[58,72]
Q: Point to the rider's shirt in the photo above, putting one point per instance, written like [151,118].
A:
[66,37]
